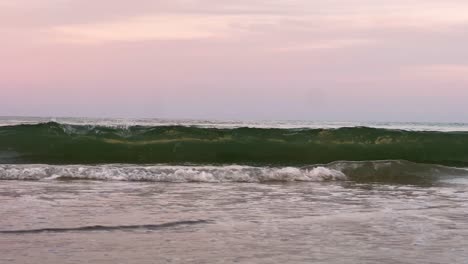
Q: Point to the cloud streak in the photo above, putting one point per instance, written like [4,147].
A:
[166,27]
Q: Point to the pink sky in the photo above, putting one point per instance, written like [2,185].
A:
[402,60]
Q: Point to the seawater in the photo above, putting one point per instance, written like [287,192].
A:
[75,190]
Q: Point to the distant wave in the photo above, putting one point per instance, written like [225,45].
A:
[387,171]
[54,143]
[283,124]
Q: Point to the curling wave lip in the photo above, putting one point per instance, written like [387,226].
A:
[54,143]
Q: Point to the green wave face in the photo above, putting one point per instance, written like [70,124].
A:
[54,143]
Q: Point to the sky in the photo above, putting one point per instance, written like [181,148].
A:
[347,60]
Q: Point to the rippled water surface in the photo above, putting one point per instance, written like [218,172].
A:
[76,221]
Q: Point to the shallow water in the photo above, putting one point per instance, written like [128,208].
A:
[305,222]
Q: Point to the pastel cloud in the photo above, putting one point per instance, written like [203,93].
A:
[189,26]
[164,27]
[440,72]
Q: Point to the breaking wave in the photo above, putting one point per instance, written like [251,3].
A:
[54,143]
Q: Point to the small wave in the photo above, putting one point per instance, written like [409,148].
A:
[163,173]
[396,171]
[104,228]
[388,171]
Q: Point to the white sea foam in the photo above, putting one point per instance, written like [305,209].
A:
[165,173]
[288,124]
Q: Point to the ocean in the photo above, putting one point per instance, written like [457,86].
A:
[81,190]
